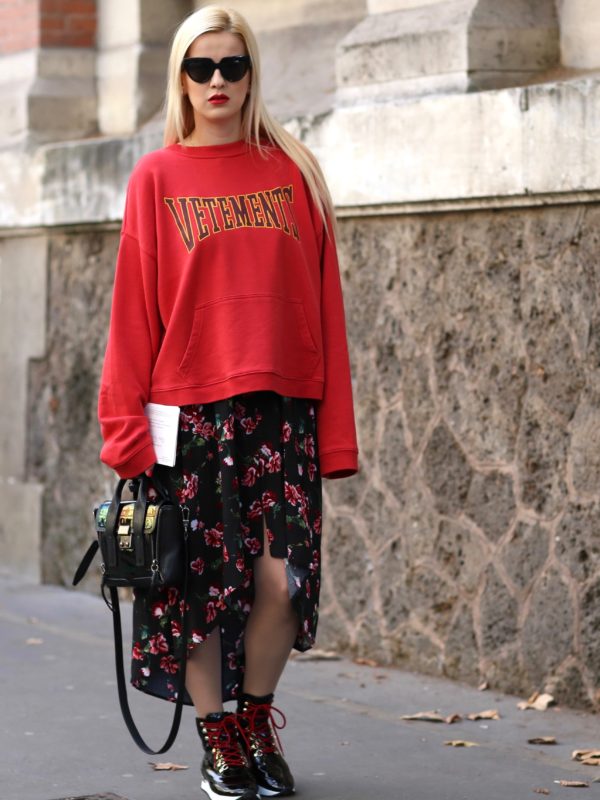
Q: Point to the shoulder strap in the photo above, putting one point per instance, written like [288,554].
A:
[121,683]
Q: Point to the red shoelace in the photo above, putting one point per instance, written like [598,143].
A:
[261,721]
[222,735]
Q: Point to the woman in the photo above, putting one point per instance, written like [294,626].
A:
[227,303]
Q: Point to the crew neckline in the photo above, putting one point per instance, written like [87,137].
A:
[211,150]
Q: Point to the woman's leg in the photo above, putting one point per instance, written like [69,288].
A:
[203,676]
[271,628]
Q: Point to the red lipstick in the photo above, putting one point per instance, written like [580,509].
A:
[218,99]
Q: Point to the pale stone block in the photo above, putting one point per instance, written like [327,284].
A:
[159,19]
[580,33]
[273,14]
[22,337]
[383,6]
[20,529]
[118,23]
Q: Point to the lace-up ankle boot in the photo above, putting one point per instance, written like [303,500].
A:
[226,773]
[262,745]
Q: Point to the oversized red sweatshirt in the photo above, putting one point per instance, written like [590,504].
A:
[226,282]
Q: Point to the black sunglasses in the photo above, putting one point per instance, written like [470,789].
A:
[201,70]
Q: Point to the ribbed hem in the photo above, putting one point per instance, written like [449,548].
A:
[339,463]
[238,384]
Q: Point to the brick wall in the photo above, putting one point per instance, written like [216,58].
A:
[68,23]
[19,26]
[25,24]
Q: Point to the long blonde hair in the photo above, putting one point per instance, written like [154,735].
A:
[257,124]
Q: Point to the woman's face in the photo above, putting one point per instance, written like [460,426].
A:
[217,104]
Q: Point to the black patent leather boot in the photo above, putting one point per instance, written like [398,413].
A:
[226,773]
[262,745]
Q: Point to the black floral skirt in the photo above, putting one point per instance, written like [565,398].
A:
[244,465]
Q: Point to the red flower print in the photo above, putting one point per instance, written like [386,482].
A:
[197,637]
[312,470]
[228,461]
[317,523]
[269,499]
[249,477]
[239,410]
[190,487]
[214,536]
[145,672]
[228,427]
[286,432]
[239,564]
[175,628]
[137,652]
[256,510]
[225,554]
[168,664]
[211,611]
[158,644]
[291,493]
[248,424]
[214,591]
[197,566]
[158,609]
[232,661]
[274,463]
[270,536]
[253,545]
[309,445]
[172,595]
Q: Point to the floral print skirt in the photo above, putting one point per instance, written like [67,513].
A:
[244,465]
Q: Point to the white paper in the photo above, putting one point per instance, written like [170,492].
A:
[164,426]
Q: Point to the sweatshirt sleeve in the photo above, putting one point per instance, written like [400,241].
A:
[133,342]
[336,431]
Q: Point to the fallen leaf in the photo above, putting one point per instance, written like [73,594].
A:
[424,716]
[452,719]
[316,655]
[542,740]
[491,714]
[166,765]
[537,702]
[484,686]
[33,640]
[461,743]
[541,790]
[381,677]
[581,755]
[574,784]
[366,662]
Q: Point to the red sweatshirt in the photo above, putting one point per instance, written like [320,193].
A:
[226,282]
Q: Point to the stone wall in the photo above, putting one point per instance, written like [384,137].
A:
[467,544]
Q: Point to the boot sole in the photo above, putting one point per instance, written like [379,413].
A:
[205,786]
[262,792]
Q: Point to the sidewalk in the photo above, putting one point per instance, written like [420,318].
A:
[62,736]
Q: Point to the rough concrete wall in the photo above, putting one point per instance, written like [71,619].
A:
[63,435]
[468,544]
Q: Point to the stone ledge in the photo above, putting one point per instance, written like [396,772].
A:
[481,147]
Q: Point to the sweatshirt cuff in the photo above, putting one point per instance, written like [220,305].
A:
[144,458]
[339,463]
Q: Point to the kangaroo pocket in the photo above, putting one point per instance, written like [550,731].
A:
[249,333]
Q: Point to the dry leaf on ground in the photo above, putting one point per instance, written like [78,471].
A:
[483,686]
[316,655]
[574,784]
[33,640]
[590,758]
[166,765]
[537,702]
[541,790]
[542,740]
[424,716]
[493,713]
[366,662]
[461,743]
[452,719]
